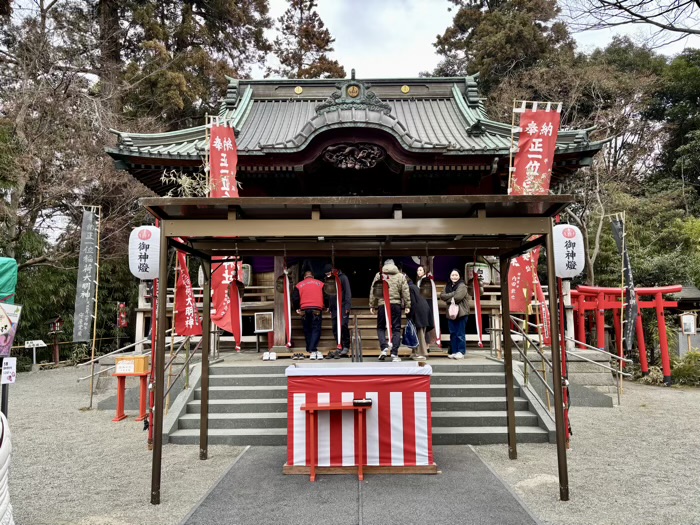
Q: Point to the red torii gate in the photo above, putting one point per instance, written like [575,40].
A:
[599,299]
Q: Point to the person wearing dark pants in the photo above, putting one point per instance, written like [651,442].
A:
[395,328]
[456,292]
[310,301]
[346,304]
[399,297]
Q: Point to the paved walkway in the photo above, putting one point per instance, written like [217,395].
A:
[254,490]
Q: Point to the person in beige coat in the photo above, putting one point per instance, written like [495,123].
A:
[399,297]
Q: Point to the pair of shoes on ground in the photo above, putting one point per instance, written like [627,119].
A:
[298,356]
[345,352]
[270,356]
[418,357]
[316,356]
[456,355]
[385,353]
[333,354]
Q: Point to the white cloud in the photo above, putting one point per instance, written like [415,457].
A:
[394,38]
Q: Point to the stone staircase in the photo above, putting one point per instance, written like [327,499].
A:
[248,406]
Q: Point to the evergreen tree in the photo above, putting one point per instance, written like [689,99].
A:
[303,49]
[499,37]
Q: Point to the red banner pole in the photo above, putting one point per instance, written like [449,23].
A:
[151,397]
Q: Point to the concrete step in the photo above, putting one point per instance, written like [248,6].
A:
[468,378]
[481,418]
[221,406]
[276,379]
[465,404]
[441,436]
[486,435]
[227,436]
[469,390]
[244,392]
[237,420]
[267,369]
[280,391]
[439,365]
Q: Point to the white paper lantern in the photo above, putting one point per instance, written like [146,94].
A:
[569,255]
[144,252]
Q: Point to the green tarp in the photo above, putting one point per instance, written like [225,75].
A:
[8,280]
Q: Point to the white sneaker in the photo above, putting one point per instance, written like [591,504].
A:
[459,355]
[319,356]
[383,355]
[266,356]
[312,356]
[395,359]
[273,356]
[418,357]
[450,356]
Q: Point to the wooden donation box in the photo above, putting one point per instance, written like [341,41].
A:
[328,430]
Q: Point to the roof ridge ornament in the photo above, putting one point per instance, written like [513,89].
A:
[231,98]
[353,94]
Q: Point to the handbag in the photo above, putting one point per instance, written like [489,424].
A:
[453,310]
[410,336]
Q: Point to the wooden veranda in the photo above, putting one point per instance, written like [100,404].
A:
[499,225]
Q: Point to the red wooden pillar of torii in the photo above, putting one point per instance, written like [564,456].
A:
[641,344]
[663,338]
[600,319]
[609,299]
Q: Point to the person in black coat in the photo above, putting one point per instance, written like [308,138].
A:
[422,318]
[346,304]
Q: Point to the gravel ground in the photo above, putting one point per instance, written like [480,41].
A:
[638,463]
[633,464]
[72,466]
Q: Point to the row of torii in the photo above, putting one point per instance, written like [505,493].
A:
[598,299]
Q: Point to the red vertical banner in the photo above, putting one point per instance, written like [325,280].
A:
[531,174]
[223,162]
[187,320]
[223,272]
[532,167]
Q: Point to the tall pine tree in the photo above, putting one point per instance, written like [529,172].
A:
[498,37]
[303,48]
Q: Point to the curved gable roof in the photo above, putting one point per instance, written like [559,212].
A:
[435,115]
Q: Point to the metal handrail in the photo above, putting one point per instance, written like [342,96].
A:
[146,340]
[617,370]
[182,344]
[102,370]
[533,343]
[184,366]
[596,349]
[544,382]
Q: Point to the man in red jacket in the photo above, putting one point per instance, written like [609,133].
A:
[310,301]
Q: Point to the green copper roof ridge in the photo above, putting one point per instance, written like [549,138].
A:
[243,110]
[463,107]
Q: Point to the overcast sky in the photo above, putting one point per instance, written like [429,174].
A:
[394,38]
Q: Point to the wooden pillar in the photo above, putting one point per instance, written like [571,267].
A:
[159,366]
[508,359]
[206,339]
[556,371]
[278,321]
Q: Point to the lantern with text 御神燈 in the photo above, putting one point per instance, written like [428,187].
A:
[144,252]
[569,256]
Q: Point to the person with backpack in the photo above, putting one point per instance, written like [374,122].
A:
[398,295]
[456,295]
